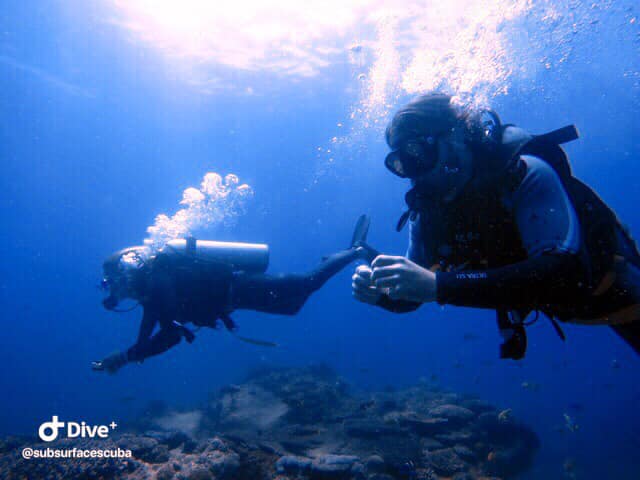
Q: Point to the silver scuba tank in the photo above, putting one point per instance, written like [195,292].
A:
[246,257]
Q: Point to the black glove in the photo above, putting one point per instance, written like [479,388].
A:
[111,364]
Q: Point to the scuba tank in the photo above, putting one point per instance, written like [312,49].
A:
[121,267]
[245,257]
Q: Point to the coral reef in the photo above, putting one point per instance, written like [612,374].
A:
[301,424]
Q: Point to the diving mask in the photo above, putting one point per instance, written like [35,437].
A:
[414,157]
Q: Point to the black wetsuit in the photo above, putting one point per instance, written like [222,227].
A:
[516,249]
[176,290]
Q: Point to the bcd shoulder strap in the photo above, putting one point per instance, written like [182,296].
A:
[547,148]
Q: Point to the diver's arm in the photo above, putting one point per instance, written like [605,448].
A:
[532,283]
[147,325]
[549,230]
[160,311]
[163,340]
[114,362]
[137,352]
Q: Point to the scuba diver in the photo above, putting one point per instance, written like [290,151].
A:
[498,221]
[202,282]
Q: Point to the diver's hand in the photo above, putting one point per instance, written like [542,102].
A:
[402,279]
[97,366]
[110,364]
[362,286]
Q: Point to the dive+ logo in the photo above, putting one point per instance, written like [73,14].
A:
[49,431]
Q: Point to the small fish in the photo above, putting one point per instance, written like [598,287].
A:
[615,364]
[260,343]
[505,415]
[569,423]
[468,336]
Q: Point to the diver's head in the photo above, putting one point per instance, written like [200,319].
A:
[121,272]
[436,144]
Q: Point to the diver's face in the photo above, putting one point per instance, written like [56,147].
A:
[117,289]
[451,171]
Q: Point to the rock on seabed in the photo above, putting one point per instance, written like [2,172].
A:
[300,424]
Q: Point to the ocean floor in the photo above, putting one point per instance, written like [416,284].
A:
[304,423]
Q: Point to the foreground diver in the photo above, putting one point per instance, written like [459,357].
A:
[497,220]
[201,282]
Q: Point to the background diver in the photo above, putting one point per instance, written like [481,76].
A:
[497,220]
[202,282]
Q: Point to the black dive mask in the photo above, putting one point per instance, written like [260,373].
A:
[414,157]
[434,164]
[439,170]
[110,302]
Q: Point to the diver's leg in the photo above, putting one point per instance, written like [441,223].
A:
[330,266]
[162,341]
[278,294]
[286,294]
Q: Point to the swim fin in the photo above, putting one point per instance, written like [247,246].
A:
[359,239]
[360,232]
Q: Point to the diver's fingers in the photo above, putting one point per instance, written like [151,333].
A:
[381,272]
[366,296]
[387,282]
[363,271]
[365,293]
[396,293]
[384,260]
[360,282]
[97,366]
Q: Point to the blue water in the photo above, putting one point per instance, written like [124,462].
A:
[99,134]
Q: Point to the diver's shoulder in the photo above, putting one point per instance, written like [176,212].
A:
[162,257]
[539,171]
[165,260]
[535,164]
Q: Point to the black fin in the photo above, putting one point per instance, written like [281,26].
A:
[370,253]
[360,231]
